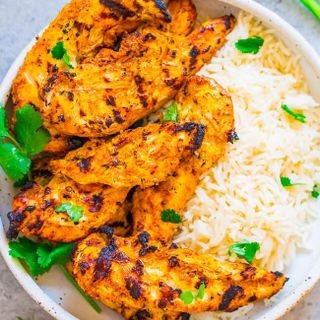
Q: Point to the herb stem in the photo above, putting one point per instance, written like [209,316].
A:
[10,137]
[92,303]
[313,6]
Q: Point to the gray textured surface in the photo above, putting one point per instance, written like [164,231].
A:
[20,20]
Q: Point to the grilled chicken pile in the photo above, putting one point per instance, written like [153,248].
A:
[130,58]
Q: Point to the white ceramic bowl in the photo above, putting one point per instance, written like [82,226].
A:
[58,297]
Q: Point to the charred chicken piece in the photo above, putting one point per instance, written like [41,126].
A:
[206,102]
[110,92]
[84,26]
[34,210]
[143,156]
[137,276]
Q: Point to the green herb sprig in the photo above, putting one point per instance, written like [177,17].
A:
[298,116]
[250,45]
[286,182]
[59,52]
[171,113]
[188,297]
[74,211]
[41,257]
[30,139]
[315,191]
[170,215]
[245,249]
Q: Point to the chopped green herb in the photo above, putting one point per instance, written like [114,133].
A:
[30,140]
[75,212]
[170,215]
[48,256]
[250,45]
[315,191]
[245,249]
[29,132]
[18,318]
[60,52]
[313,6]
[286,182]
[187,297]
[171,113]
[200,294]
[298,116]
[13,162]
[41,257]
[26,250]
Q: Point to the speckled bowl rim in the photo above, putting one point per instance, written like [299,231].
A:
[278,310]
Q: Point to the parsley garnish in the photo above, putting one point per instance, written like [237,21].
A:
[75,212]
[315,191]
[41,257]
[298,116]
[171,113]
[313,6]
[170,215]
[60,52]
[30,139]
[187,296]
[245,249]
[250,45]
[286,182]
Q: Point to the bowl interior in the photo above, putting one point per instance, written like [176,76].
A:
[59,298]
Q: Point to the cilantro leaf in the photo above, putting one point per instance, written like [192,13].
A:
[298,116]
[200,294]
[187,297]
[170,215]
[171,113]
[26,250]
[48,256]
[313,6]
[286,182]
[244,249]
[315,191]
[29,132]
[75,212]
[60,52]
[250,45]
[15,164]
[3,123]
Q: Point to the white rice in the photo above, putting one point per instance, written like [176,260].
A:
[241,198]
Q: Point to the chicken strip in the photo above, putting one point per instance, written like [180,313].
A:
[184,16]
[209,104]
[106,95]
[84,26]
[143,156]
[34,211]
[145,276]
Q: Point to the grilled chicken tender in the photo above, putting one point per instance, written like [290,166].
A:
[207,103]
[145,277]
[34,210]
[84,26]
[143,156]
[111,91]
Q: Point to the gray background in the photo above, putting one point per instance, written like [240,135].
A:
[20,20]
